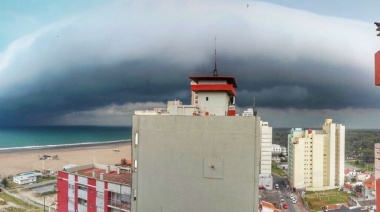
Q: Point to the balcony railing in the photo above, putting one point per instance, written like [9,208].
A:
[119,204]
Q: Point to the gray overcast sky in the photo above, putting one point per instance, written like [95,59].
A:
[95,62]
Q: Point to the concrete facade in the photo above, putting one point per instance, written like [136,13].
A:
[195,163]
[316,157]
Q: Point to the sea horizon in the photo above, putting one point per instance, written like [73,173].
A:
[39,137]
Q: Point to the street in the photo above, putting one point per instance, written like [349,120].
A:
[285,192]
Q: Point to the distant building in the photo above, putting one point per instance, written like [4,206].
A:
[265,177]
[265,170]
[94,188]
[369,188]
[198,157]
[27,177]
[276,150]
[284,152]
[316,157]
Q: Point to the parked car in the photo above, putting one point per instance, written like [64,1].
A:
[285,206]
[276,186]
[294,201]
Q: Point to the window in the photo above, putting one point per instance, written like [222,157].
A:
[71,186]
[82,201]
[82,187]
[206,98]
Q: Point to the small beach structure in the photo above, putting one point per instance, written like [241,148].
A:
[26,177]
[48,157]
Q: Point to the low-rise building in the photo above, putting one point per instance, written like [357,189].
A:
[26,177]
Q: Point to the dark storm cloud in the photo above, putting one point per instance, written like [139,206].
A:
[144,51]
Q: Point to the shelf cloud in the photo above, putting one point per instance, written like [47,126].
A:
[142,52]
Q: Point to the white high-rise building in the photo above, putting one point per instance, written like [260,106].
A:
[316,157]
[265,177]
[266,149]
[265,170]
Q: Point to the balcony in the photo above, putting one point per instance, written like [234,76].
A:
[117,203]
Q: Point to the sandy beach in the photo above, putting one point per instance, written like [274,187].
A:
[12,163]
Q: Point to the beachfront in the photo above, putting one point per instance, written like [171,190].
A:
[12,163]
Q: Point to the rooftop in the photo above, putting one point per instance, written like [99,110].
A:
[116,174]
[229,79]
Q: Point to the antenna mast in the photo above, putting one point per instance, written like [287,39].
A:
[215,71]
[254,107]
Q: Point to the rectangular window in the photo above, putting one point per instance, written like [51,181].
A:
[207,98]
[82,201]
[82,187]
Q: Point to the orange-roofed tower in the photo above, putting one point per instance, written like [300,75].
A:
[213,95]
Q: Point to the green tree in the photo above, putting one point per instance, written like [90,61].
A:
[4,181]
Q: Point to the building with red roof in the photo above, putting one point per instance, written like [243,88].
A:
[94,188]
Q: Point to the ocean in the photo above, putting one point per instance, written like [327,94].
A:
[39,137]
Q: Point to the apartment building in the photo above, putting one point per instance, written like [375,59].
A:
[316,157]
[265,169]
[94,188]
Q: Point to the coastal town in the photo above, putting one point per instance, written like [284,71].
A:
[309,174]
[189,106]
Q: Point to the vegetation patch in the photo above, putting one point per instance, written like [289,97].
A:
[317,199]
[3,202]
[22,205]
[362,165]
[13,209]
[277,170]
[43,179]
